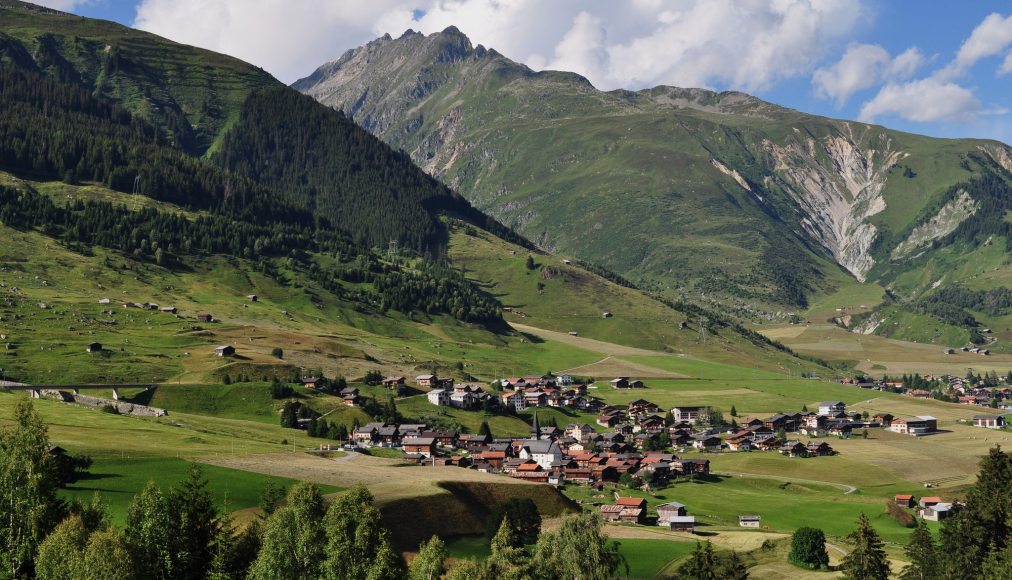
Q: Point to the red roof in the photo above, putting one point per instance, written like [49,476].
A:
[906,496]
[529,467]
[494,455]
[630,501]
[931,499]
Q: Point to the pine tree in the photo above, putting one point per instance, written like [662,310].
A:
[867,561]
[508,559]
[732,568]
[196,523]
[923,554]
[484,429]
[734,412]
[701,565]
[430,563]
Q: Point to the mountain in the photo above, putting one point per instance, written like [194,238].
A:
[103,195]
[685,191]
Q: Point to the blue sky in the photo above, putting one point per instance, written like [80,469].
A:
[935,67]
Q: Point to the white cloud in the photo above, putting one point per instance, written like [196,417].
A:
[863,66]
[925,100]
[746,44]
[64,5]
[1006,67]
[289,39]
[990,38]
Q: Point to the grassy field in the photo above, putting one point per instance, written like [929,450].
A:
[878,355]
[118,480]
[784,505]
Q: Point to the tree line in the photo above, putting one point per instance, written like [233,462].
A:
[165,238]
[180,533]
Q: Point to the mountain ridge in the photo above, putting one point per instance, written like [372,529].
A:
[544,150]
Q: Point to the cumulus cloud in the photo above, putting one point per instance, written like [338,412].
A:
[746,44]
[64,5]
[925,100]
[863,66]
[288,39]
[1006,67]
[990,38]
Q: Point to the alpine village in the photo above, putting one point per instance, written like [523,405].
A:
[441,309]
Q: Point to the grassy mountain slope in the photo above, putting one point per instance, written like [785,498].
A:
[688,191]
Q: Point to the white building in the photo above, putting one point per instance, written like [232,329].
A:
[543,451]
[439,397]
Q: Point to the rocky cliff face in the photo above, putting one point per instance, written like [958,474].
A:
[687,190]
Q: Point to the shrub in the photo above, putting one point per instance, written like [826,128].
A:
[277,352]
[808,548]
[902,516]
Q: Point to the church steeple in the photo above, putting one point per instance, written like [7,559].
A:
[535,428]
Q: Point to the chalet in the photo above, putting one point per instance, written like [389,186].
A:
[680,438]
[936,512]
[94,347]
[634,509]
[473,442]
[739,444]
[366,434]
[651,425]
[168,309]
[351,399]
[464,400]
[438,397]
[620,383]
[494,459]
[444,438]
[643,407]
[609,420]
[767,443]
[604,473]
[691,415]
[205,318]
[819,449]
[691,466]
[514,399]
[919,393]
[707,442]
[840,428]
[427,380]
[393,382]
[884,419]
[422,445]
[564,380]
[914,425]
[535,399]
[750,422]
[682,524]
[669,510]
[388,435]
[224,350]
[611,512]
[751,521]
[794,449]
[411,429]
[557,478]
[312,382]
[252,297]
[781,421]
[904,500]
[929,501]
[831,407]
[989,421]
[579,431]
